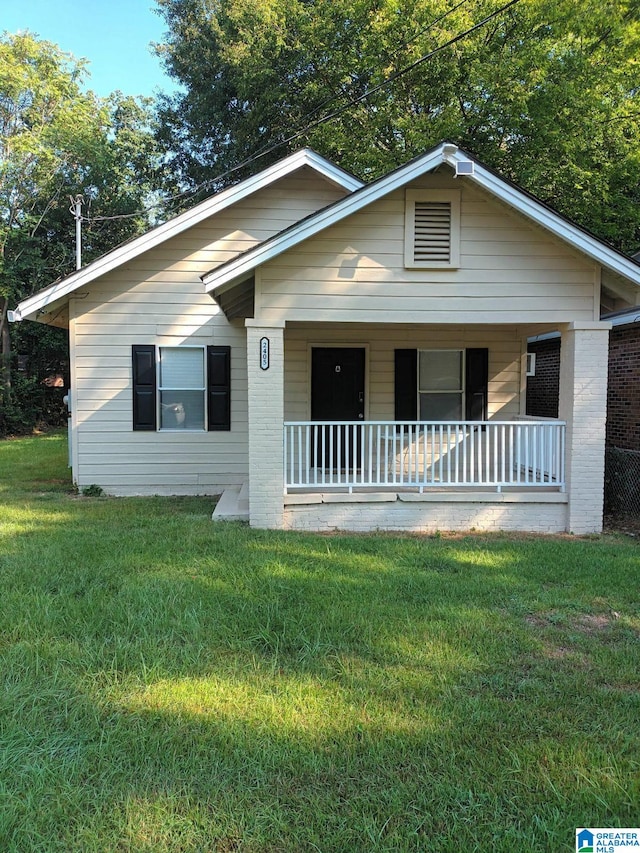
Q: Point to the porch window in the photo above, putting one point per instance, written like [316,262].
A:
[182,388]
[185,388]
[432,229]
[440,385]
[434,385]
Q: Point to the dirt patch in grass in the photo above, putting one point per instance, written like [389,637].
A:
[557,652]
[587,623]
[593,624]
[572,658]
[624,688]
[541,620]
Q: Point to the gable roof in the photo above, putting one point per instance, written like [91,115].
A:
[239,269]
[215,204]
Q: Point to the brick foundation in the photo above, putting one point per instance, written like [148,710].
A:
[429,516]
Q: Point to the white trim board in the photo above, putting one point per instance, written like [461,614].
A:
[238,269]
[138,245]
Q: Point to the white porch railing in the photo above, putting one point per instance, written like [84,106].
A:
[423,455]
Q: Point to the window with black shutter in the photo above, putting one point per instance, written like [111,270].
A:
[189,386]
[144,387]
[441,385]
[219,388]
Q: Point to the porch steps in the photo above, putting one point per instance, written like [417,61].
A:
[233,504]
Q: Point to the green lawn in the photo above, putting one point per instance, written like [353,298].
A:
[174,685]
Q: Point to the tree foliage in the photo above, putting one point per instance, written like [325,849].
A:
[546,91]
[57,141]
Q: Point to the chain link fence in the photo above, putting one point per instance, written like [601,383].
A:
[622,489]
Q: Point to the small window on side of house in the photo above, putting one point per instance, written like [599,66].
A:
[531,364]
[185,388]
[432,229]
[182,387]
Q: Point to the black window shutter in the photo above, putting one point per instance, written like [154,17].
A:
[477,378]
[218,388]
[406,384]
[144,386]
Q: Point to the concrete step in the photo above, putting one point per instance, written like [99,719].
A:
[243,497]
[231,506]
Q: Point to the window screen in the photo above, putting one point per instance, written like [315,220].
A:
[182,388]
[440,384]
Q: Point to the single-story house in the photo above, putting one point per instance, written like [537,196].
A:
[333,354]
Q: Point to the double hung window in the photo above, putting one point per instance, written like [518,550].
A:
[441,385]
[182,388]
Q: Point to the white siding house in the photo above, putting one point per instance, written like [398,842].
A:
[354,356]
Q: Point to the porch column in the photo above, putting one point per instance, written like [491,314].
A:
[583,405]
[265,394]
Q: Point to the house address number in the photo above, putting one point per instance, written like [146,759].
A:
[264,353]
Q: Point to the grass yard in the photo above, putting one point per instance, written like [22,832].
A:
[174,685]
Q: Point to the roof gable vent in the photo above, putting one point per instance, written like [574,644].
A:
[432,232]
[432,228]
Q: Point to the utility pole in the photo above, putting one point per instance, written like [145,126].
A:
[76,211]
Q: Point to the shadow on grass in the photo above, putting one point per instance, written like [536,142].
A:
[175,685]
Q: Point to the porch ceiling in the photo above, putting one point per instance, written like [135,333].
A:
[238,301]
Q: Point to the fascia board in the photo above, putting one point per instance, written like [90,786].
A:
[537,212]
[132,249]
[628,318]
[242,266]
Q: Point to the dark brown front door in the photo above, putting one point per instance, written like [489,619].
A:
[337,394]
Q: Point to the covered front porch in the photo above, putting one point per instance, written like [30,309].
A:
[502,470]
[425,476]
[360,456]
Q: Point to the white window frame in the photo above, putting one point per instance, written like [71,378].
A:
[461,391]
[453,198]
[531,364]
[161,388]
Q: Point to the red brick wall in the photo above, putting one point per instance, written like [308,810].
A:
[543,388]
[623,402]
[623,397]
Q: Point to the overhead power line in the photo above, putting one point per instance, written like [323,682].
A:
[269,149]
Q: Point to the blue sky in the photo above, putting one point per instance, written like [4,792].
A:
[114,35]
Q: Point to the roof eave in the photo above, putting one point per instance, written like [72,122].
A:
[447,152]
[237,268]
[138,245]
[556,224]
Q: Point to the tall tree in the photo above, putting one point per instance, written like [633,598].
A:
[546,90]
[57,141]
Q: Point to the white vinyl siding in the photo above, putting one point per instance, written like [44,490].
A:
[504,344]
[432,229]
[509,272]
[158,298]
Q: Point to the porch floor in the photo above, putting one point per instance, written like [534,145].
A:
[451,494]
[233,504]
